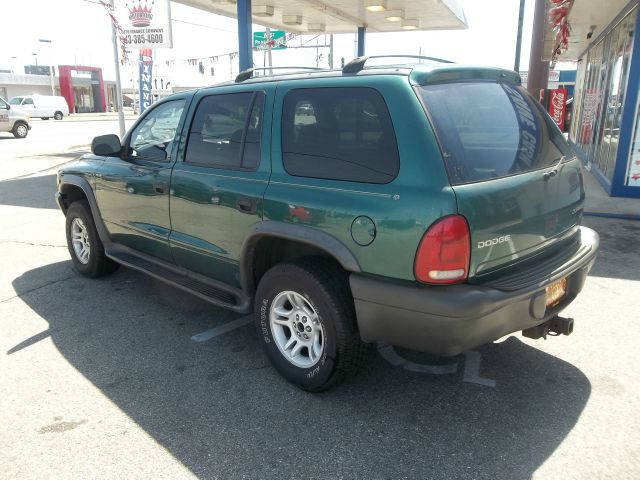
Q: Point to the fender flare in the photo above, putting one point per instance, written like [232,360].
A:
[84,185]
[298,233]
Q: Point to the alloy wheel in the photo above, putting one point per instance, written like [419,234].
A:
[80,240]
[296,329]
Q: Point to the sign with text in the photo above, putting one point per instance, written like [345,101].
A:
[558,106]
[146,70]
[275,39]
[144,23]
[554,76]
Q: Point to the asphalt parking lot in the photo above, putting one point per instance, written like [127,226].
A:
[127,377]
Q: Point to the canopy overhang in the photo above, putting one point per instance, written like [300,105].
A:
[588,18]
[344,16]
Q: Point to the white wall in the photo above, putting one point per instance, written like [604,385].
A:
[23,84]
[17,90]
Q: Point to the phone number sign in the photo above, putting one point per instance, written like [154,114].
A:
[144,23]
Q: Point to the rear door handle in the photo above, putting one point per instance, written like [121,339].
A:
[246,205]
[160,187]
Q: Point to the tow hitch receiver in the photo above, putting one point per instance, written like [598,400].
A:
[554,327]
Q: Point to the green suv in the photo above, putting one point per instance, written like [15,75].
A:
[431,206]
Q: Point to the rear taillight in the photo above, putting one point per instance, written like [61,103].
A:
[444,252]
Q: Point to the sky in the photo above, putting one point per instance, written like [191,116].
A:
[80,32]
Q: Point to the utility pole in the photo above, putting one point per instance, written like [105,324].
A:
[44,40]
[516,66]
[268,42]
[116,57]
[331,51]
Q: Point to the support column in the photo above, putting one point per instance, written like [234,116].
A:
[538,69]
[516,66]
[245,34]
[362,31]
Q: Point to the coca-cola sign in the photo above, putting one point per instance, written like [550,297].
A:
[558,106]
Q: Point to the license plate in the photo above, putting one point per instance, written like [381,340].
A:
[556,292]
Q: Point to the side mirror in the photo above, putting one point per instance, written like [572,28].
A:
[106,146]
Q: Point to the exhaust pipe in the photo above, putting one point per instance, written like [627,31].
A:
[554,327]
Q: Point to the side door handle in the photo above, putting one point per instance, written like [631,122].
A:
[161,187]
[246,205]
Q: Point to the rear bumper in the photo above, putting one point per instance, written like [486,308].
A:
[447,320]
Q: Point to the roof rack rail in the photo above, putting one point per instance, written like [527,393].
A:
[247,74]
[357,64]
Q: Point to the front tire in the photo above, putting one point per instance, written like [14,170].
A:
[20,130]
[306,320]
[85,247]
[58,116]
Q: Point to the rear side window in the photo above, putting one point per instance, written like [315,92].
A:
[491,130]
[339,134]
[225,132]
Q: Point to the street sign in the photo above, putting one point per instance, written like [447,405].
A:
[276,39]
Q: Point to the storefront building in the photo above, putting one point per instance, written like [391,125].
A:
[606,125]
[82,87]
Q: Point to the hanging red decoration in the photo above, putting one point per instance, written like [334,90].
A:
[558,18]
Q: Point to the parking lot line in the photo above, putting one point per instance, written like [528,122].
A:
[222,329]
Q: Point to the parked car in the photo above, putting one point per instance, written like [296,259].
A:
[13,120]
[432,207]
[43,106]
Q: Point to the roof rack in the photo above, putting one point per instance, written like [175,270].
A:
[247,74]
[357,64]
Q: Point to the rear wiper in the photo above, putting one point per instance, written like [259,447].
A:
[556,168]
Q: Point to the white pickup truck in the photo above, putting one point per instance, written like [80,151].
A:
[14,120]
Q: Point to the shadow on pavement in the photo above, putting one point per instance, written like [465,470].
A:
[222,411]
[618,256]
[73,155]
[34,192]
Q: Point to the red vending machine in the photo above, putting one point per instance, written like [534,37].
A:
[555,101]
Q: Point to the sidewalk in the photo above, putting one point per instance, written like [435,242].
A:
[99,116]
[599,203]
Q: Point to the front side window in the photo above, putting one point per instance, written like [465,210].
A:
[339,134]
[153,136]
[490,130]
[27,101]
[225,132]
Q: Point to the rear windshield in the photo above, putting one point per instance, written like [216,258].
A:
[491,130]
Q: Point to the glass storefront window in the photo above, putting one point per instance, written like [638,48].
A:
[621,68]
[603,74]
[633,171]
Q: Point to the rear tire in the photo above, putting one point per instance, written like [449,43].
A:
[58,116]
[85,246]
[20,130]
[313,301]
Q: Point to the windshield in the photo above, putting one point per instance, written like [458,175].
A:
[490,130]
[16,101]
